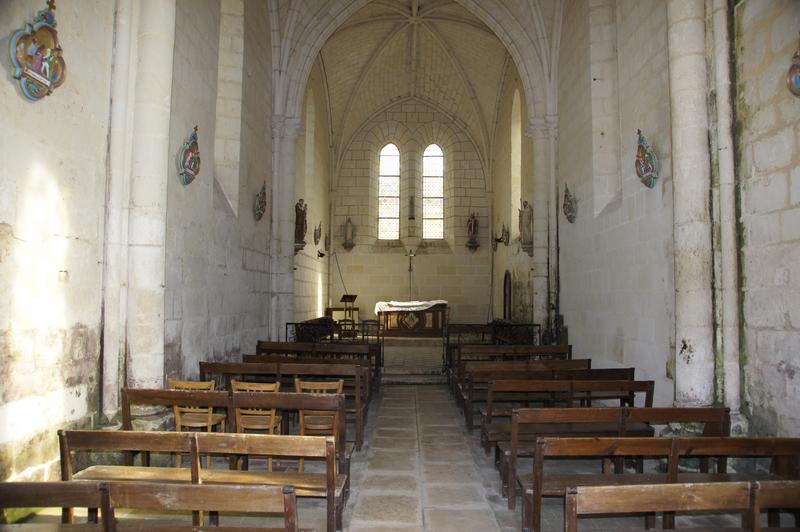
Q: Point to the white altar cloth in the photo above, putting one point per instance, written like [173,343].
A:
[409,306]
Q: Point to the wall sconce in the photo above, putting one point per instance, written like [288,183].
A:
[793,76]
[320,254]
[504,237]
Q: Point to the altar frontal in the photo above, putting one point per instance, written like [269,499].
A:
[412,318]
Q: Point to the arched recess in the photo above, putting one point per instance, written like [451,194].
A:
[518,40]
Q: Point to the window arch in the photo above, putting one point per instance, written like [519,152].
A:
[433,193]
[389,193]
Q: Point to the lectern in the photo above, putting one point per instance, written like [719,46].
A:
[348,300]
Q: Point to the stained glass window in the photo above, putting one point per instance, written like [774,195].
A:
[389,193]
[433,193]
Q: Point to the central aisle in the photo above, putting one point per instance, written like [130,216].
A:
[418,471]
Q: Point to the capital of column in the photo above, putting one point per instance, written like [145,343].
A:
[542,127]
[286,127]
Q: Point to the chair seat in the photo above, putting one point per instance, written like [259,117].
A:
[200,420]
[258,422]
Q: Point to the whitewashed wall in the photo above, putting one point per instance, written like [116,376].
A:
[52,195]
[617,281]
[769,168]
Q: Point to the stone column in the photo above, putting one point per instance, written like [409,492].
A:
[694,357]
[729,245]
[115,263]
[285,132]
[537,130]
[150,162]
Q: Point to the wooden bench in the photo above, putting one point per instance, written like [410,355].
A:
[477,384]
[494,352]
[459,379]
[773,495]
[364,354]
[783,452]
[331,485]
[56,495]
[199,497]
[569,391]
[356,381]
[614,500]
[286,401]
[527,424]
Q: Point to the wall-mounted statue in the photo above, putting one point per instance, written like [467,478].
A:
[300,225]
[526,227]
[472,232]
[349,232]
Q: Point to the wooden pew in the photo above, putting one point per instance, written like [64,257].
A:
[356,381]
[613,500]
[203,497]
[365,354]
[232,400]
[783,452]
[332,485]
[57,495]
[477,384]
[485,352]
[461,372]
[775,495]
[569,391]
[527,424]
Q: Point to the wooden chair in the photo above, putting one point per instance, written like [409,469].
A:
[611,500]
[66,495]
[198,417]
[317,422]
[264,421]
[203,497]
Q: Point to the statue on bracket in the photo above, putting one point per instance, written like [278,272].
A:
[189,159]
[472,232]
[570,205]
[646,162]
[37,57]
[526,227]
[349,231]
[317,233]
[261,202]
[300,225]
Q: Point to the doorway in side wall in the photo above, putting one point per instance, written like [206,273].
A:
[507,296]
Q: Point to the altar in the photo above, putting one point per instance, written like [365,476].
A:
[412,318]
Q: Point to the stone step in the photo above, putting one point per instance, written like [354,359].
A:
[412,370]
[414,378]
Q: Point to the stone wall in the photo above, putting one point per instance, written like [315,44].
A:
[313,185]
[378,270]
[768,156]
[52,195]
[217,279]
[617,278]
[508,130]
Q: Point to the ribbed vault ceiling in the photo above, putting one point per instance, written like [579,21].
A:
[432,50]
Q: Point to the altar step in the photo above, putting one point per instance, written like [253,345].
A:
[412,361]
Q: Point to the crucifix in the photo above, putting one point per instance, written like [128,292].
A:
[410,256]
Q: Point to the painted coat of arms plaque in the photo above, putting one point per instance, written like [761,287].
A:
[189,159]
[37,57]
[646,162]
